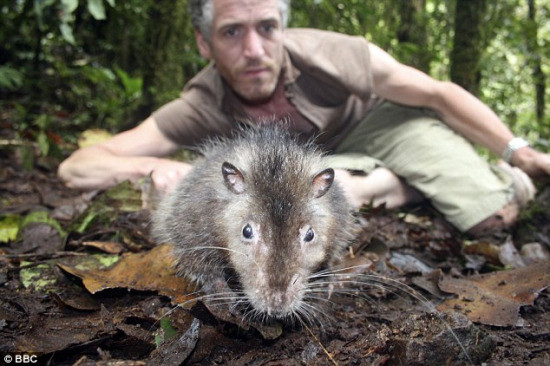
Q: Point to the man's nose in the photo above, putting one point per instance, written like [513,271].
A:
[253,45]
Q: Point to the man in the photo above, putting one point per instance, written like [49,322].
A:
[377,116]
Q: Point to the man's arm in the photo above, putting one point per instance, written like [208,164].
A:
[128,155]
[459,109]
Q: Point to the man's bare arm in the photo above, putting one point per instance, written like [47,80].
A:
[128,155]
[459,109]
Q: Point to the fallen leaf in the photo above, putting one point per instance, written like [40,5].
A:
[38,238]
[166,332]
[83,301]
[111,247]
[409,264]
[44,218]
[122,198]
[428,282]
[147,271]
[92,137]
[495,298]
[424,339]
[38,276]
[489,251]
[52,334]
[9,227]
[177,351]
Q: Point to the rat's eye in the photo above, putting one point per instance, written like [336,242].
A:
[248,233]
[309,235]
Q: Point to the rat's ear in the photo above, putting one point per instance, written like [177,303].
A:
[322,182]
[233,178]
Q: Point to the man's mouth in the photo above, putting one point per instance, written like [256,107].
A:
[255,71]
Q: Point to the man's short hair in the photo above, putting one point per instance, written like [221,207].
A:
[202,15]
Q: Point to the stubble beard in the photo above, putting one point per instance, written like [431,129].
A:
[261,88]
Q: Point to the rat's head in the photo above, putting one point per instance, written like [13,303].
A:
[281,226]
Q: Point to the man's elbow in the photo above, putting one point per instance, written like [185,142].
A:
[443,94]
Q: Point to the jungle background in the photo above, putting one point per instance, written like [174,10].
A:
[68,65]
[72,285]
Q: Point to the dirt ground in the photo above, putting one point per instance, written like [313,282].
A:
[412,263]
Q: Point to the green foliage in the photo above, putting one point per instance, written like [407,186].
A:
[506,83]
[9,227]
[107,64]
[10,78]
[165,332]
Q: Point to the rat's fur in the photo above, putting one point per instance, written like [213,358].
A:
[260,210]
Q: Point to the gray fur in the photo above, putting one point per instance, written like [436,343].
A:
[205,215]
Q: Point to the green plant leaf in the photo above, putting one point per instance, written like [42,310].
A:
[10,78]
[67,32]
[36,276]
[43,143]
[166,332]
[132,86]
[96,8]
[42,121]
[70,5]
[42,217]
[27,158]
[9,227]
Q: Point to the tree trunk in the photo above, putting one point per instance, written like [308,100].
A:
[469,43]
[168,42]
[412,35]
[539,79]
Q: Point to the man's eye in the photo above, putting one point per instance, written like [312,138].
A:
[267,28]
[231,32]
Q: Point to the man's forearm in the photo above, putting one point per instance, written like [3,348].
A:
[471,118]
[94,168]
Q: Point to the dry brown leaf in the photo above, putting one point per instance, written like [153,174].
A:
[53,334]
[111,247]
[146,271]
[495,298]
[489,251]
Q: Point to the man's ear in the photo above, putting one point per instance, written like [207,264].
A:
[204,46]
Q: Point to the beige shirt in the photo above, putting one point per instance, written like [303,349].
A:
[327,78]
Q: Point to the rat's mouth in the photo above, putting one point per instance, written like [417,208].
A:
[232,279]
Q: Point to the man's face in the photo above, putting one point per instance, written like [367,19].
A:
[246,45]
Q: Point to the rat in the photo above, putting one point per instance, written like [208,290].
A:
[259,221]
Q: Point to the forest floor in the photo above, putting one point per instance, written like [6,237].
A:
[82,283]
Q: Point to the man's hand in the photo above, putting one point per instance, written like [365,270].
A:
[535,163]
[167,173]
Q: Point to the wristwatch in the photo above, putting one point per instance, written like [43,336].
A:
[513,145]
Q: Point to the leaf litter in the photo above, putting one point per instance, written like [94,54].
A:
[103,292]
[496,298]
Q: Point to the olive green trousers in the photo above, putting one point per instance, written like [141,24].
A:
[429,156]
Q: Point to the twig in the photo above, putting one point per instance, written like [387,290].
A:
[14,142]
[43,256]
[323,347]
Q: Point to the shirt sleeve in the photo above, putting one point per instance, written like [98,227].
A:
[195,116]
[337,59]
